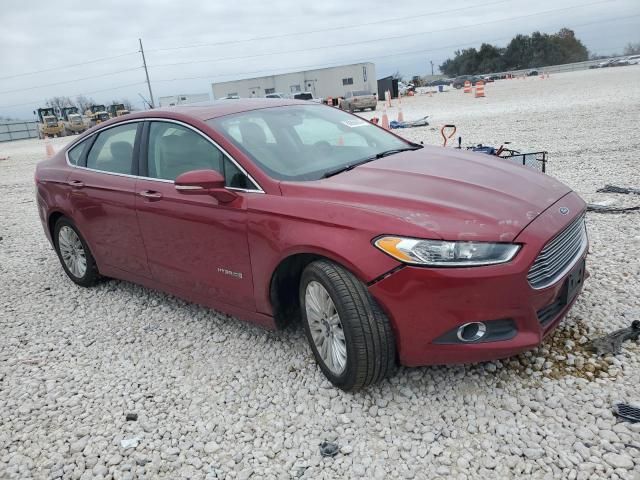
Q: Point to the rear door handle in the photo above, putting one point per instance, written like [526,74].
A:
[76,183]
[150,195]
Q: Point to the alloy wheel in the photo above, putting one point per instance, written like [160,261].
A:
[325,327]
[72,251]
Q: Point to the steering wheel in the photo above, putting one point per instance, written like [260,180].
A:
[323,146]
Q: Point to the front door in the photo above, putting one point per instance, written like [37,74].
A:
[193,242]
[102,196]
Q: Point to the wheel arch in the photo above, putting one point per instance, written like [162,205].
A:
[285,281]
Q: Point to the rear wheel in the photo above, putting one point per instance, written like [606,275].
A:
[349,334]
[74,254]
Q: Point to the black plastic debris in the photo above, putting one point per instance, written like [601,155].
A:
[132,417]
[627,412]
[612,343]
[329,449]
[594,207]
[616,189]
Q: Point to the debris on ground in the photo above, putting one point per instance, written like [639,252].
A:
[594,207]
[329,449]
[627,412]
[129,442]
[616,189]
[132,417]
[409,124]
[612,343]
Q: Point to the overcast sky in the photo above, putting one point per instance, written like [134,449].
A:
[296,35]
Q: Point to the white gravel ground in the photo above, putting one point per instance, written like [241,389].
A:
[217,398]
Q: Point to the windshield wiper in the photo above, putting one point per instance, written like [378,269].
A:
[377,156]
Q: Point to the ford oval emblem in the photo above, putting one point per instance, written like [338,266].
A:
[563,210]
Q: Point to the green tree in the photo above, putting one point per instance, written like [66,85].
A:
[523,51]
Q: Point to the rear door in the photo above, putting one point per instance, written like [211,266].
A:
[102,195]
[193,242]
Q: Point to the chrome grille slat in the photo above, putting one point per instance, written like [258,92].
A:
[558,254]
[551,265]
[550,252]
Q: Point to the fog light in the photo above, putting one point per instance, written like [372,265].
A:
[471,332]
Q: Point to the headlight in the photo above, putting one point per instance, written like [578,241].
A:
[441,253]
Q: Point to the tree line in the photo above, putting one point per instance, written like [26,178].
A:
[523,51]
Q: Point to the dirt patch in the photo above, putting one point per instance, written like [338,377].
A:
[566,352]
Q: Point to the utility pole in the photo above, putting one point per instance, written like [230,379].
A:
[146,72]
[431,61]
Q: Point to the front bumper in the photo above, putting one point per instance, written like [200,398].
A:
[424,304]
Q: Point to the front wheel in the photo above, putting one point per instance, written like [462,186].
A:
[74,254]
[348,332]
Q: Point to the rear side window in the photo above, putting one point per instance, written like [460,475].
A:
[113,150]
[75,154]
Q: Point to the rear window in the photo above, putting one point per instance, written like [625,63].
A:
[361,93]
[303,96]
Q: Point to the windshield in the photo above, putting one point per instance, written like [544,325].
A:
[361,93]
[300,142]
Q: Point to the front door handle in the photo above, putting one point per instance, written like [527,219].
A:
[75,183]
[151,195]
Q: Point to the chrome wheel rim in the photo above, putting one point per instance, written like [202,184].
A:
[325,327]
[72,251]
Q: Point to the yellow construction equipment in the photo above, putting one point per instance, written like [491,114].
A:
[96,114]
[48,123]
[72,120]
[117,110]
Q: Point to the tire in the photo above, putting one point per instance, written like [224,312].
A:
[362,327]
[86,277]
[373,109]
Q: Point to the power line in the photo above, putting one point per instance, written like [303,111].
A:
[392,54]
[76,95]
[361,42]
[86,62]
[331,29]
[71,81]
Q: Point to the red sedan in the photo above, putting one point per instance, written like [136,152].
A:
[389,252]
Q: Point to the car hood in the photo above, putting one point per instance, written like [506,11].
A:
[442,193]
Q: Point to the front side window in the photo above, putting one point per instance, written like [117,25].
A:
[113,149]
[175,149]
[304,142]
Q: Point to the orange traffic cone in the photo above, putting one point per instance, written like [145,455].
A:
[547,74]
[479,89]
[340,140]
[48,148]
[400,115]
[330,101]
[385,120]
[467,86]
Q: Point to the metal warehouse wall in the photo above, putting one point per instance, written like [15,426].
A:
[183,99]
[18,130]
[324,82]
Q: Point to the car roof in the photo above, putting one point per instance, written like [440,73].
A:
[209,110]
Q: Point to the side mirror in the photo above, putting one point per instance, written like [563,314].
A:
[207,182]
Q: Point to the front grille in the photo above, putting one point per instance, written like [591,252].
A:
[558,255]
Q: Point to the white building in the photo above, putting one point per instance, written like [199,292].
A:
[183,99]
[324,82]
